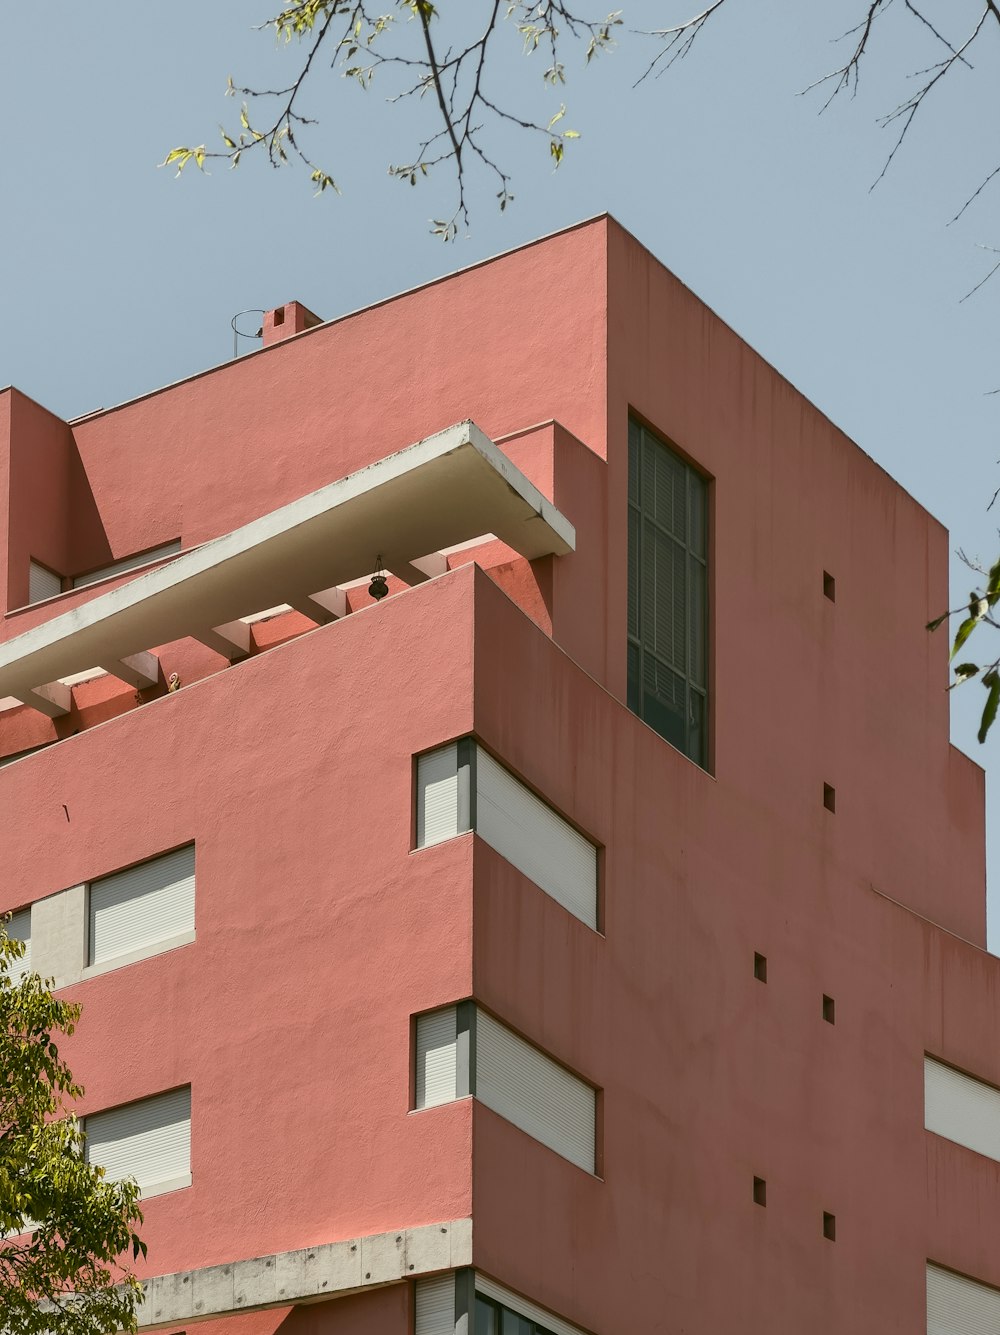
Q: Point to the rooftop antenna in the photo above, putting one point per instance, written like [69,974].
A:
[239,333]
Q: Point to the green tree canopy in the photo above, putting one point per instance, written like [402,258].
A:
[63,1227]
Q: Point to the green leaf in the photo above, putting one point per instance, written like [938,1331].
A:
[963,633]
[992,680]
[964,672]
[82,1223]
[993,584]
[933,625]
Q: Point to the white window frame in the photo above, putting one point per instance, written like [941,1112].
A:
[145,949]
[461,787]
[180,1129]
[961,1109]
[14,928]
[445,1304]
[41,574]
[126,564]
[476,1054]
[957,1305]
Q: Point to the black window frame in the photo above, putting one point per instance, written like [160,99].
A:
[481,1301]
[668,532]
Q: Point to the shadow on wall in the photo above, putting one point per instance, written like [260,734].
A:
[53,517]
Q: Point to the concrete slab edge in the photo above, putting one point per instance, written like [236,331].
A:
[308,1275]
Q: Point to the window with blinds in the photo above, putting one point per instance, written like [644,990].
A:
[142,910]
[961,1109]
[463,1050]
[960,1306]
[461,787]
[472,1303]
[19,929]
[667,593]
[437,1058]
[149,1140]
[127,563]
[42,583]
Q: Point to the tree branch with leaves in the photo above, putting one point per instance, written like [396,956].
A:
[447,54]
[64,1228]
[403,47]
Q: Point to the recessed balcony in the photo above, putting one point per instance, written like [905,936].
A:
[438,493]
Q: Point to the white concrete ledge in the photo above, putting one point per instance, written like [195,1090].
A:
[144,952]
[309,1275]
[436,493]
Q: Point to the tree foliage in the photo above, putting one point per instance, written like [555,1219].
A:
[63,1227]
[449,54]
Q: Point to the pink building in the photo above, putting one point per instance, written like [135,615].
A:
[586,937]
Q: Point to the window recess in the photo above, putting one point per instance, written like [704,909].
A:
[19,929]
[462,1050]
[960,1306]
[149,1140]
[460,787]
[961,1109]
[127,563]
[471,1303]
[141,911]
[42,582]
[667,593]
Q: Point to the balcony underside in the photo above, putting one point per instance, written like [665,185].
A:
[442,491]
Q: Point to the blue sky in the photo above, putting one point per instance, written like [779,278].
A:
[117,278]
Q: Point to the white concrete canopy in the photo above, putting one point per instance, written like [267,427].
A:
[443,490]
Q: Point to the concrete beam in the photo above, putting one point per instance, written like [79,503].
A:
[53,700]
[323,607]
[431,565]
[140,670]
[231,640]
[332,600]
[310,610]
[309,1275]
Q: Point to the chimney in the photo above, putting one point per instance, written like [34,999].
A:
[284,321]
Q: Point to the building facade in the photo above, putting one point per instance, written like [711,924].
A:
[588,936]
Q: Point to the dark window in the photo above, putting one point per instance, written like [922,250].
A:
[667,593]
[492,1318]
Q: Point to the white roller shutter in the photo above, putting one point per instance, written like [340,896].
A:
[42,583]
[960,1306]
[149,1140]
[128,563]
[489,1288]
[435,1306]
[535,839]
[141,907]
[19,929]
[961,1109]
[437,1058]
[534,1092]
[437,796]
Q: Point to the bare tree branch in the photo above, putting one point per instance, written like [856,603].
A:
[370,43]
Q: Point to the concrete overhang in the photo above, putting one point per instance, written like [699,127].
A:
[442,491]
